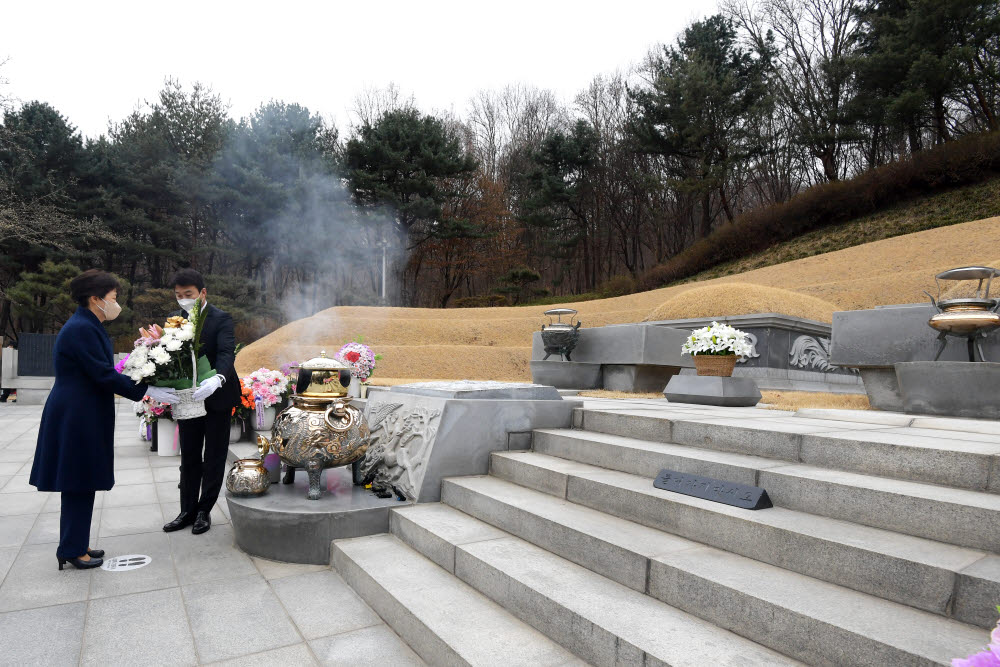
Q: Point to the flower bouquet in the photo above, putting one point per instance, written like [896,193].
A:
[716,348]
[267,388]
[361,358]
[169,356]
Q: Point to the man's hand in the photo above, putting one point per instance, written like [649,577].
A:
[162,394]
[208,387]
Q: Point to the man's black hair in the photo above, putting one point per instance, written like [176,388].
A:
[185,277]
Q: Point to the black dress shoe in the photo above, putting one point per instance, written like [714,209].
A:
[202,523]
[80,564]
[153,448]
[95,553]
[183,520]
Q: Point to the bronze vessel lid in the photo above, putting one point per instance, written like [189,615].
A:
[559,325]
[323,377]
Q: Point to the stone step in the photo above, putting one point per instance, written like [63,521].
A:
[810,620]
[443,619]
[962,459]
[605,622]
[940,578]
[954,516]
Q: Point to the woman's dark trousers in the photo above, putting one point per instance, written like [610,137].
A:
[74,523]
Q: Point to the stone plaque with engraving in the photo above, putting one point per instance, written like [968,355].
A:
[717,490]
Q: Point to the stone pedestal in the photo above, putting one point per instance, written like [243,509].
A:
[567,374]
[283,525]
[637,377]
[950,388]
[729,392]
[426,431]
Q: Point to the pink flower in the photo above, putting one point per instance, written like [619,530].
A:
[982,659]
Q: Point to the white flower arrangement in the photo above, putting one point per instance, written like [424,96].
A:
[718,339]
[163,356]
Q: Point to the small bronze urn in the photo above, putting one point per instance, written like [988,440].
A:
[320,429]
[560,337]
[972,317]
[248,477]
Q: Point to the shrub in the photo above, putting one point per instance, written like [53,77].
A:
[963,162]
[617,286]
[483,301]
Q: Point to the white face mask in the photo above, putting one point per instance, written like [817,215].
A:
[111,310]
[186,304]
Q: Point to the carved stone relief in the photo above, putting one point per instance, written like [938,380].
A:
[810,352]
[753,349]
[401,444]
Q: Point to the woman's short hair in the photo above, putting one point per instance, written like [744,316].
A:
[186,278]
[93,282]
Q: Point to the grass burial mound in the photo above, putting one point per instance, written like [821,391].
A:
[495,343]
[741,299]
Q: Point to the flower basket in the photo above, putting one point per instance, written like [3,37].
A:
[715,349]
[186,407]
[716,365]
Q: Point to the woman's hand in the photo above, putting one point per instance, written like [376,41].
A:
[162,394]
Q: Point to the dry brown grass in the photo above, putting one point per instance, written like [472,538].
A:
[741,299]
[495,343]
[604,393]
[797,400]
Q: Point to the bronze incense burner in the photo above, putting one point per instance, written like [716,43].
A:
[560,337]
[320,429]
[971,317]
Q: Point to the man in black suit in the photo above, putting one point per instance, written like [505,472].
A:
[208,434]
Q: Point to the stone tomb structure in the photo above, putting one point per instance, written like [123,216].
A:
[424,432]
[789,353]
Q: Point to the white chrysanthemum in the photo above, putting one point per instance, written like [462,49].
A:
[186,332]
[138,356]
[160,355]
[173,345]
[148,368]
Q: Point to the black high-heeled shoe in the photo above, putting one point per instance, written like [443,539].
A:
[95,553]
[80,564]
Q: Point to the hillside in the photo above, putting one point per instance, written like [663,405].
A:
[495,343]
[941,209]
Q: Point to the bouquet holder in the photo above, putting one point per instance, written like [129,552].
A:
[186,406]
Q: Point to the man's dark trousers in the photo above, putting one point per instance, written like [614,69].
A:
[204,446]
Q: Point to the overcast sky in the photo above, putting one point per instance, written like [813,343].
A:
[98,60]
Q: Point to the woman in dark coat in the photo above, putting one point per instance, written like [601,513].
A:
[75,450]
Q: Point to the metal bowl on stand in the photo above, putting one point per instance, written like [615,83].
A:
[560,337]
[970,317]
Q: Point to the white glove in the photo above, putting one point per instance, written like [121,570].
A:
[208,387]
[162,394]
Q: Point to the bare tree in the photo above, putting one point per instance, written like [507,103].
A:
[811,41]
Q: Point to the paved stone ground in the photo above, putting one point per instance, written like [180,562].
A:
[200,601]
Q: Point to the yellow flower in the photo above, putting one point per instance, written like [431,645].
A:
[175,322]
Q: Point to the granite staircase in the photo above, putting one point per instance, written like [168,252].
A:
[881,547]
